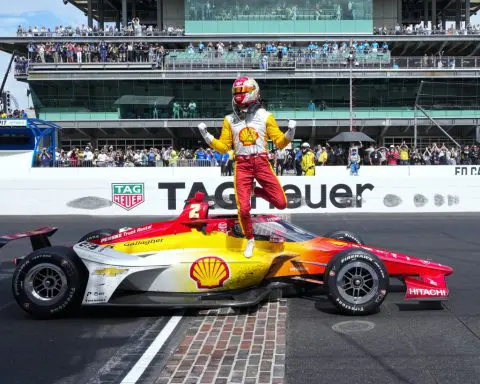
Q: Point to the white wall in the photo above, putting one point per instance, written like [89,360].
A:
[378,189]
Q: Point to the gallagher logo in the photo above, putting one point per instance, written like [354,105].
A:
[128,195]
[209,272]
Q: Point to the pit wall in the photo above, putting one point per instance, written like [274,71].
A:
[162,191]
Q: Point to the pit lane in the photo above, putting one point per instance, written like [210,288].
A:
[404,343]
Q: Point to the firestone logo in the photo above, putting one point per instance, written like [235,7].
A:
[128,195]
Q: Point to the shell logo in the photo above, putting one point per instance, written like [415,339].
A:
[209,272]
[248,136]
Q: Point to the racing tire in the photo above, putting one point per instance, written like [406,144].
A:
[50,282]
[347,236]
[357,282]
[98,234]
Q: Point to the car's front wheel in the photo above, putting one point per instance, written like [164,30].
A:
[357,282]
[347,236]
[98,234]
[49,282]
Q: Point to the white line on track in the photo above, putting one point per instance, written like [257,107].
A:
[142,364]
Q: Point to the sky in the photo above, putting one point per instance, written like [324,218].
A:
[31,12]
[42,12]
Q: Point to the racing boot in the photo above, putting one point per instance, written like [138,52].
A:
[249,248]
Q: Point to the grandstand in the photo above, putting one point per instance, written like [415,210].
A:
[143,72]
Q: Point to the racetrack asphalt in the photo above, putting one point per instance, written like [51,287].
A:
[403,343]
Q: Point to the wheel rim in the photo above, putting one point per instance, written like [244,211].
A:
[357,282]
[45,284]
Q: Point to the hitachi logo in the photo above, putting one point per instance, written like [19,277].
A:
[427,292]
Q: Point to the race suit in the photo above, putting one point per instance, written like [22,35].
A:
[308,163]
[251,160]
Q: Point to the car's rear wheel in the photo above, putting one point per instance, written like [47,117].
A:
[347,236]
[49,282]
[98,234]
[357,282]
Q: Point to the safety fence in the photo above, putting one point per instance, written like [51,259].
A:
[311,63]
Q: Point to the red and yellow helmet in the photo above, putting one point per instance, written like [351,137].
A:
[245,91]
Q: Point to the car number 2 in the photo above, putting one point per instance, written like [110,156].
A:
[194,211]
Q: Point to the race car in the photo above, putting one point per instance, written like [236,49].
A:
[196,261]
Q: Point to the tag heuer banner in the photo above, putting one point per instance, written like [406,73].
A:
[128,195]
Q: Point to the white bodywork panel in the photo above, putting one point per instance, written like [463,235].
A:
[107,269]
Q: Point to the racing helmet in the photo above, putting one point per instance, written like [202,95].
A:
[245,92]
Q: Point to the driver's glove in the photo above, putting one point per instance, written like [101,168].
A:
[202,127]
[290,134]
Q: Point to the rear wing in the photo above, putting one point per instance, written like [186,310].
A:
[39,238]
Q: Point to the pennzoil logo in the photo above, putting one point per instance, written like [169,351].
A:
[110,272]
[128,195]
[248,136]
[209,272]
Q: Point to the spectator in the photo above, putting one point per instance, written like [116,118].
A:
[192,109]
[45,158]
[392,156]
[176,110]
[88,157]
[403,155]
[375,157]
[311,106]
[280,159]
[307,160]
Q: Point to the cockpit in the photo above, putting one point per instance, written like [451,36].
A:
[274,229]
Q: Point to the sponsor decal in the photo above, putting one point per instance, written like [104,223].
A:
[209,272]
[222,227]
[248,136]
[95,294]
[127,233]
[471,170]
[142,242]
[128,195]
[95,297]
[13,123]
[88,246]
[338,195]
[427,292]
[110,272]
[433,282]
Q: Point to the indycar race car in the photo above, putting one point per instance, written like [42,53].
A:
[196,260]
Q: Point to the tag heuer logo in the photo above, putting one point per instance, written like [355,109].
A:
[128,195]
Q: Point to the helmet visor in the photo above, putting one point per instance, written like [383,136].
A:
[243,89]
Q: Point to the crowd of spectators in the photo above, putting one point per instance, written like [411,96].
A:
[15,114]
[134,28]
[420,29]
[69,52]
[287,161]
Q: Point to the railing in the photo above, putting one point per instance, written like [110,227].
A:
[304,62]
[125,32]
[72,163]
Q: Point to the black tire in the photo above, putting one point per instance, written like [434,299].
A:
[345,236]
[65,270]
[98,234]
[364,268]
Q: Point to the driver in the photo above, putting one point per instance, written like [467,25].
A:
[248,129]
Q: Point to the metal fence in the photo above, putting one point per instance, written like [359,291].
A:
[66,163]
[295,63]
